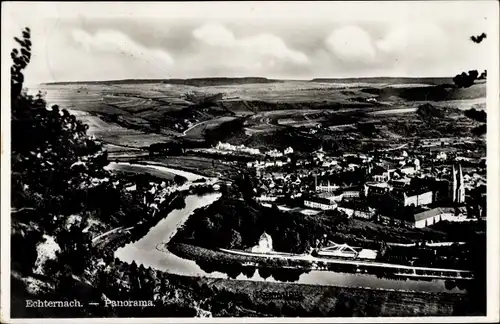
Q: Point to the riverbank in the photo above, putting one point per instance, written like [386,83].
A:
[291,300]
[244,267]
[203,255]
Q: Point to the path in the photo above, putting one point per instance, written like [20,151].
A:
[184,133]
[338,261]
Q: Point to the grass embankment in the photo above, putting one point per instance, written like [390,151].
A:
[291,300]
[203,255]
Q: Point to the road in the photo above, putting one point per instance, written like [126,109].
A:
[339,261]
[195,125]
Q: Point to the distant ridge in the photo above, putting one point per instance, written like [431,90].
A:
[192,82]
[393,80]
[215,81]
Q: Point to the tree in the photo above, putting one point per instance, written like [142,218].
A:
[234,239]
[179,180]
[54,164]
[179,203]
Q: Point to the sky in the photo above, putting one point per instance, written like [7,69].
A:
[109,41]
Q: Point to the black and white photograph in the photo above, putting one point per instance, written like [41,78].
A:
[293,160]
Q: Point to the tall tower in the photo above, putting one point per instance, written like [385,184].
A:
[461,187]
[458,188]
[454,184]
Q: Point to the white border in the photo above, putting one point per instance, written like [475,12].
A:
[251,10]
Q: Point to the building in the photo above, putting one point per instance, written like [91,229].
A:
[320,203]
[274,153]
[324,187]
[420,218]
[288,150]
[441,156]
[266,198]
[265,244]
[334,196]
[417,199]
[400,183]
[356,209]
[458,188]
[428,217]
[376,189]
[352,192]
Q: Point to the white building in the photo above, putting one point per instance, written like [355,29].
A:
[288,150]
[274,153]
[266,198]
[234,148]
[441,156]
[265,244]
[320,203]
[424,218]
[325,187]
[420,199]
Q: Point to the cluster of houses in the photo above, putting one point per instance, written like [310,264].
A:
[390,177]
[229,148]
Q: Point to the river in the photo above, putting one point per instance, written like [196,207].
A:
[145,252]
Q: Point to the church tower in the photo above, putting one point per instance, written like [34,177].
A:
[458,188]
[461,186]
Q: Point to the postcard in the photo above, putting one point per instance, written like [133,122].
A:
[254,161]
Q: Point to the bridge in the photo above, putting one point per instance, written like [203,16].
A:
[346,251]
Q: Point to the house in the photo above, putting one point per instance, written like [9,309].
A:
[274,153]
[333,196]
[441,156]
[329,163]
[400,183]
[325,187]
[356,209]
[376,189]
[352,192]
[427,217]
[382,172]
[320,203]
[414,198]
[266,198]
[420,218]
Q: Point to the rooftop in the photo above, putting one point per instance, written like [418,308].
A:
[320,200]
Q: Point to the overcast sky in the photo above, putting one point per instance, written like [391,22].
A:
[96,41]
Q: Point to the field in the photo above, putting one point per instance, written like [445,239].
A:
[134,114]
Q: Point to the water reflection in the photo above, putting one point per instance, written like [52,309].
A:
[236,270]
[341,275]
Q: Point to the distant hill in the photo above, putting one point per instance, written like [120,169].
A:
[197,82]
[215,81]
[390,80]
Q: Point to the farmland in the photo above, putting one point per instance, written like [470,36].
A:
[131,115]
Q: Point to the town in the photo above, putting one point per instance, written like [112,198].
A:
[411,186]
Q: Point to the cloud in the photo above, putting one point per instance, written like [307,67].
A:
[352,44]
[114,42]
[261,49]
[410,39]
[215,35]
